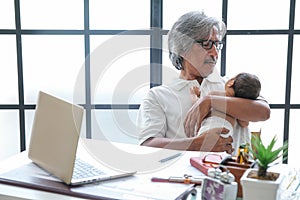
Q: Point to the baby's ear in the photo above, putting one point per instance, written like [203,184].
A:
[230,83]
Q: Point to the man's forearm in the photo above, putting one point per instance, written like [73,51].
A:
[177,144]
[240,108]
[210,140]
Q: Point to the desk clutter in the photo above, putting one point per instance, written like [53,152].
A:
[219,180]
[222,166]
[213,175]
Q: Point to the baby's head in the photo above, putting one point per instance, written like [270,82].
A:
[243,85]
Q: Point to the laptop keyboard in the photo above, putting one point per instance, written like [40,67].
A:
[83,170]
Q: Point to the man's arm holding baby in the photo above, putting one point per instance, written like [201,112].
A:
[239,108]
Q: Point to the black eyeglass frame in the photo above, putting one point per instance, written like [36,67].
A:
[218,44]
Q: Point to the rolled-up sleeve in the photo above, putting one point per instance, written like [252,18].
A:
[151,119]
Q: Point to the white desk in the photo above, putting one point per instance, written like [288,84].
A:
[175,167]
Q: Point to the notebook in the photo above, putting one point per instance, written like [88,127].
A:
[54,141]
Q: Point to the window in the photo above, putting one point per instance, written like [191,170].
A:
[119,15]
[8,70]
[52,15]
[106,58]
[251,15]
[255,57]
[7,12]
[51,63]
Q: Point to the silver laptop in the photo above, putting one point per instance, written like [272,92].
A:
[54,140]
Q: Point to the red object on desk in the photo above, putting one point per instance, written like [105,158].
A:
[204,163]
[197,162]
[155,179]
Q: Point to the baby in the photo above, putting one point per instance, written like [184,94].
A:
[243,85]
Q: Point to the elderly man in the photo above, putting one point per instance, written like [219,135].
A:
[168,117]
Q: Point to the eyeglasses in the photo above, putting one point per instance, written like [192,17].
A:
[207,44]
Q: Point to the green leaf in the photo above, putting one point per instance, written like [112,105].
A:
[266,155]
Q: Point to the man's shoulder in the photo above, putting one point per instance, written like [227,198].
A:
[161,90]
[176,84]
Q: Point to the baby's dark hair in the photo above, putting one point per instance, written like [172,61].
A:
[246,86]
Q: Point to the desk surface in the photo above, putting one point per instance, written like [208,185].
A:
[175,167]
[9,192]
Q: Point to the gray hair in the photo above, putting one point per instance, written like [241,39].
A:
[188,28]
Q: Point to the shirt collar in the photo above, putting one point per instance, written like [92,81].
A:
[179,83]
[214,77]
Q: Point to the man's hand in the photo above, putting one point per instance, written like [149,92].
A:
[243,123]
[195,93]
[212,140]
[195,116]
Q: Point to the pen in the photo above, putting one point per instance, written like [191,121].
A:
[291,181]
[174,179]
[297,187]
[169,158]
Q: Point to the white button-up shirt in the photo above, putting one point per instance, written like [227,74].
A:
[163,110]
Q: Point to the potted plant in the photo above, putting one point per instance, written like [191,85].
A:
[261,183]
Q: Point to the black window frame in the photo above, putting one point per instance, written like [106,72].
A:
[156,37]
